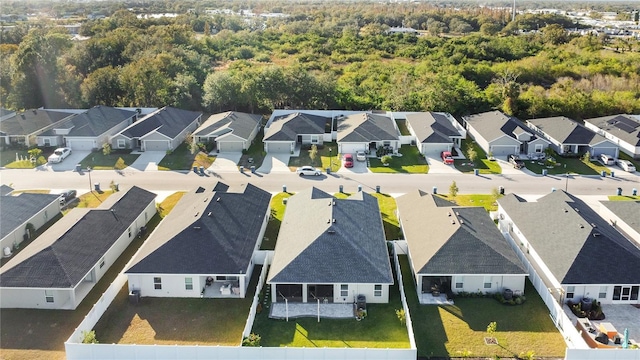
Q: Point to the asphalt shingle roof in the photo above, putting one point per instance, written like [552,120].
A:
[63,255]
[454,240]
[30,121]
[625,127]
[288,127]
[210,231]
[313,248]
[168,121]
[5,190]
[494,124]
[95,121]
[15,210]
[627,211]
[566,131]
[432,127]
[367,127]
[577,245]
[240,124]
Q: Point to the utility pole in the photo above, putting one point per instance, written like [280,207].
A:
[513,14]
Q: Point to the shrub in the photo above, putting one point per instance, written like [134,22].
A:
[251,340]
[120,165]
[386,159]
[89,337]
[401,316]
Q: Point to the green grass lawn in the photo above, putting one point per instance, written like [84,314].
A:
[411,162]
[9,156]
[459,330]
[169,202]
[273,226]
[623,198]
[624,156]
[255,152]
[484,165]
[182,159]
[488,201]
[402,126]
[568,165]
[327,155]
[117,159]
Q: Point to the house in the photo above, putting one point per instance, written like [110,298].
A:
[60,267]
[501,135]
[575,252]
[331,249]
[401,30]
[367,132]
[205,247]
[21,128]
[456,249]
[162,130]
[569,138]
[283,133]
[435,132]
[22,215]
[88,130]
[230,131]
[624,216]
[623,130]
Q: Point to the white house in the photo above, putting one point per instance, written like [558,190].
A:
[624,216]
[623,130]
[230,131]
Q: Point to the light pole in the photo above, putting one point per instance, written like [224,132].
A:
[89,172]
[566,181]
[330,156]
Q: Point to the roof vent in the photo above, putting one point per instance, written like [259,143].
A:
[333,203]
[329,203]
[329,221]
[197,213]
[205,199]
[331,231]
[581,226]
[594,225]
[453,222]
[334,220]
[576,209]
[218,199]
[457,213]
[196,228]
[209,214]
[448,213]
[595,234]
[461,221]
[565,210]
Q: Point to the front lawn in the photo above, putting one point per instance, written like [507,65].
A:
[9,156]
[92,199]
[169,202]
[459,330]
[117,159]
[624,198]
[484,165]
[488,201]
[411,162]
[390,221]
[273,226]
[568,165]
[182,159]
[327,155]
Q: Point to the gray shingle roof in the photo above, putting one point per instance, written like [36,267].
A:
[210,231]
[311,248]
[5,190]
[560,228]
[30,121]
[15,210]
[494,124]
[566,131]
[241,124]
[431,127]
[627,211]
[95,121]
[367,127]
[455,240]
[63,255]
[288,127]
[168,121]
[625,127]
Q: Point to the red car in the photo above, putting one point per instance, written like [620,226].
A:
[348,160]
[446,157]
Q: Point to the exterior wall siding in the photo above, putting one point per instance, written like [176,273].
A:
[38,220]
[34,298]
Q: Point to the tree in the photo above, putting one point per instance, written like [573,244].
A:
[453,190]
[401,316]
[386,160]
[102,87]
[34,153]
[472,155]
[489,28]
[106,149]
[313,153]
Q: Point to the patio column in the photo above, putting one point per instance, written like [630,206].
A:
[304,292]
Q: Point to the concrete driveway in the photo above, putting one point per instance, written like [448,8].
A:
[508,169]
[436,166]
[70,162]
[147,161]
[359,167]
[275,163]
[225,162]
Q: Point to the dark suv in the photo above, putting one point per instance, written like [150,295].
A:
[515,161]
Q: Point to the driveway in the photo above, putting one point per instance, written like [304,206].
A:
[70,162]
[508,169]
[436,166]
[275,163]
[225,162]
[147,161]
[359,167]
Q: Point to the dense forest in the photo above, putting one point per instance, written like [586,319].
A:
[322,55]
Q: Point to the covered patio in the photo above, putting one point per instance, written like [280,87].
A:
[284,310]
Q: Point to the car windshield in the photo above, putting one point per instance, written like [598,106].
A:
[58,152]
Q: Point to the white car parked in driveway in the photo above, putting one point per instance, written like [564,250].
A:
[59,154]
[308,171]
[626,165]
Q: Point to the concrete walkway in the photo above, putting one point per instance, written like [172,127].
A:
[275,163]
[296,310]
[225,162]
[147,161]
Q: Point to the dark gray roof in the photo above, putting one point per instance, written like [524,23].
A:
[367,127]
[566,131]
[63,255]
[624,127]
[30,121]
[454,240]
[168,121]
[495,124]
[288,127]
[15,210]
[95,121]
[627,211]
[312,248]
[210,231]
[5,190]
[431,127]
[4,111]
[240,124]
[577,245]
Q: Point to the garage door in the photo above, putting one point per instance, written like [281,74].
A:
[605,150]
[80,144]
[278,147]
[230,146]
[156,145]
[351,148]
[503,150]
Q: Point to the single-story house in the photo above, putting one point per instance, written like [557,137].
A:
[60,267]
[569,137]
[331,249]
[205,246]
[623,130]
[501,135]
[283,133]
[575,252]
[162,130]
[367,132]
[88,130]
[230,131]
[456,249]
[435,132]
[624,216]
[21,128]
[24,214]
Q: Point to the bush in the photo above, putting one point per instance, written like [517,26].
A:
[120,164]
[386,159]
[251,340]
[401,316]
[89,337]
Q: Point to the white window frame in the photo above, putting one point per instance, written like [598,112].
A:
[188,283]
[377,290]
[48,296]
[344,290]
[157,283]
[487,281]
[121,144]
[459,285]
[46,142]
[602,294]
[538,148]
[101,263]
[570,292]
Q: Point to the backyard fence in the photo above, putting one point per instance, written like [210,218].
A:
[256,298]
[403,298]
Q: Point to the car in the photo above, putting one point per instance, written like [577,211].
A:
[308,171]
[606,159]
[446,157]
[348,160]
[59,154]
[361,156]
[626,165]
[67,196]
[515,161]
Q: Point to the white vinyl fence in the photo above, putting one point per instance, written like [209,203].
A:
[403,298]
[256,297]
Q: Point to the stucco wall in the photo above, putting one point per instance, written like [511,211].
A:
[41,218]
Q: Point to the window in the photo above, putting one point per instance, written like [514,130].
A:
[101,263]
[344,290]
[121,144]
[538,148]
[377,290]
[48,296]
[570,290]
[188,283]
[616,292]
[146,217]
[634,292]
[46,215]
[487,282]
[129,231]
[459,285]
[47,142]
[157,283]
[603,292]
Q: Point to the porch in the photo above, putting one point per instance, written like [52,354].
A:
[221,289]
[430,299]
[283,310]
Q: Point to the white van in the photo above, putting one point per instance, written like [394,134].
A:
[606,159]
